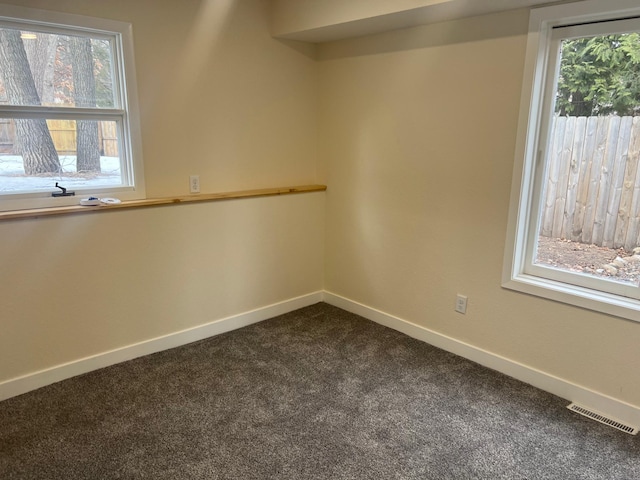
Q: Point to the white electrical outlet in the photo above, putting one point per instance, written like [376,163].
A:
[461,304]
[194,183]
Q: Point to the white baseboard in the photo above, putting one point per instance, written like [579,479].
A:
[614,408]
[609,406]
[26,383]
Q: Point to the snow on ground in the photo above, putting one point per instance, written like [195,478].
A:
[13,178]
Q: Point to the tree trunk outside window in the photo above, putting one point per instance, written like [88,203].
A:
[84,87]
[41,54]
[36,146]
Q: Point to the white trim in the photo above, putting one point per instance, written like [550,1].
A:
[518,272]
[572,392]
[53,20]
[125,112]
[613,407]
[32,381]
[609,303]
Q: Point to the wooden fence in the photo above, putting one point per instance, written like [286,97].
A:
[63,133]
[7,135]
[593,181]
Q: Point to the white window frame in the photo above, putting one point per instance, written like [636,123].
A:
[518,273]
[125,113]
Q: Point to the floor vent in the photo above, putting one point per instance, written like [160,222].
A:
[598,417]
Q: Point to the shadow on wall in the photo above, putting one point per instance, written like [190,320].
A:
[474,29]
[309,50]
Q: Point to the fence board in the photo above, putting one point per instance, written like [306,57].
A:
[604,185]
[564,165]
[597,156]
[63,134]
[633,229]
[616,184]
[573,175]
[109,133]
[7,134]
[553,169]
[586,160]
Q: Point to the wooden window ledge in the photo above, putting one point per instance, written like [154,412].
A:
[152,202]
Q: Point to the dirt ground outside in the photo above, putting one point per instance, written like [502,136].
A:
[616,264]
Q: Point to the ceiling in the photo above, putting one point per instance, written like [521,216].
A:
[306,21]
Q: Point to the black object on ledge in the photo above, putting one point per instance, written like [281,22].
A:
[62,193]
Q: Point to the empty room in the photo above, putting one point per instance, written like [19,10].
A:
[323,239]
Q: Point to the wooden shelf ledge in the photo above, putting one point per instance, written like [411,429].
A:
[152,202]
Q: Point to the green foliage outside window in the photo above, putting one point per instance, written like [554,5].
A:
[600,76]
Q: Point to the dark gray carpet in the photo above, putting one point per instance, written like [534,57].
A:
[315,394]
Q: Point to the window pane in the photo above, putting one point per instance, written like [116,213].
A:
[35,154]
[590,210]
[55,70]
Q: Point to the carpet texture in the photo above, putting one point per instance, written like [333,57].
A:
[318,393]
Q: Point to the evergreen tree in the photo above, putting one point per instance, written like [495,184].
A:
[600,76]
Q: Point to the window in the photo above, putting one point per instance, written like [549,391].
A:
[574,227]
[68,109]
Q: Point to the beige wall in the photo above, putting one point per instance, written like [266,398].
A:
[415,135]
[78,286]
[219,98]
[418,130]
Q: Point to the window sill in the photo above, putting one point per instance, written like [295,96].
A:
[152,202]
[610,304]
